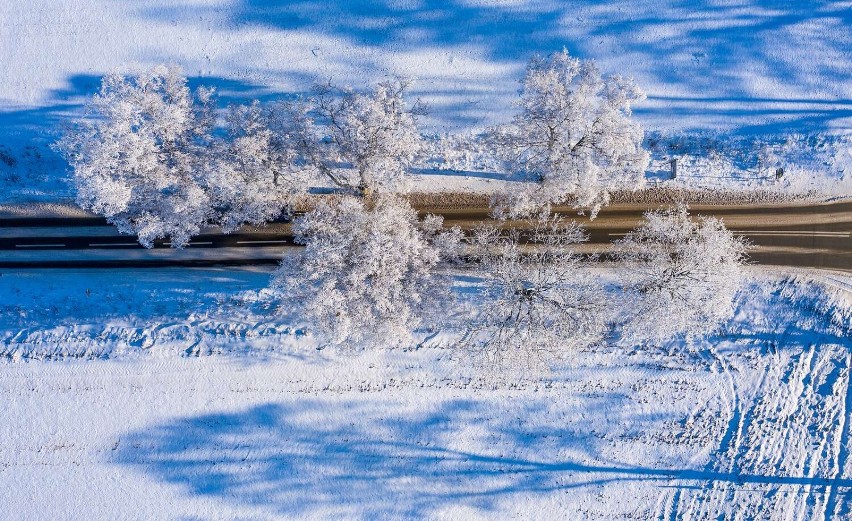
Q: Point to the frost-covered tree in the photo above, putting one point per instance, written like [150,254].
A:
[538,302]
[368,140]
[682,274]
[140,159]
[257,170]
[574,132]
[367,273]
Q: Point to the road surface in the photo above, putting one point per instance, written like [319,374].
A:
[802,235]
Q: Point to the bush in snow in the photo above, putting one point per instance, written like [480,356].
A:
[368,268]
[681,274]
[257,171]
[574,132]
[373,136]
[140,159]
[538,303]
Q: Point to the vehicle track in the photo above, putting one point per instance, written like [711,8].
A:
[796,425]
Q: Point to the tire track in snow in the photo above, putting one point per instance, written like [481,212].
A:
[786,418]
[707,503]
[795,425]
[668,506]
[831,506]
[780,446]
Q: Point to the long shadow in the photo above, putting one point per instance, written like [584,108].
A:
[123,298]
[764,118]
[748,50]
[310,456]
[507,32]
[491,176]
[367,459]
[67,102]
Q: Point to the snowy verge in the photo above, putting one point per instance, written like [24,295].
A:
[455,193]
[100,314]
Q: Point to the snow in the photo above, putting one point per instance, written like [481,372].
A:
[191,394]
[750,62]
[246,419]
[750,67]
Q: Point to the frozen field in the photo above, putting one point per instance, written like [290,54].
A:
[747,67]
[167,398]
[191,394]
[759,65]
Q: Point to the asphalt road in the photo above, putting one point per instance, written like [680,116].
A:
[801,235]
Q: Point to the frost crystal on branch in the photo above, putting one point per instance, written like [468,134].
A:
[373,136]
[257,170]
[367,272]
[538,304]
[682,274]
[575,133]
[140,160]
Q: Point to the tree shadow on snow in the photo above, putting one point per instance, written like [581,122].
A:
[376,459]
[738,53]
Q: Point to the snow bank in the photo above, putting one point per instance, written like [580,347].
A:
[101,314]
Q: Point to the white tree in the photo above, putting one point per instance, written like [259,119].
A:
[257,171]
[575,133]
[140,159]
[538,302]
[373,136]
[367,272]
[682,274]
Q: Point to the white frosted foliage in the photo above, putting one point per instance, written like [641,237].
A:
[369,139]
[682,274]
[139,159]
[256,171]
[539,304]
[368,270]
[575,133]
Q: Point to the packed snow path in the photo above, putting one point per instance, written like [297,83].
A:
[784,452]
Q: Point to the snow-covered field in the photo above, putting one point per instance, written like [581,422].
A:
[193,394]
[712,64]
[751,67]
[178,394]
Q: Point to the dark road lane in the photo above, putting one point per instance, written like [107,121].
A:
[801,235]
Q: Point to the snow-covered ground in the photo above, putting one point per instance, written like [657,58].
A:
[189,393]
[181,394]
[751,67]
[710,64]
